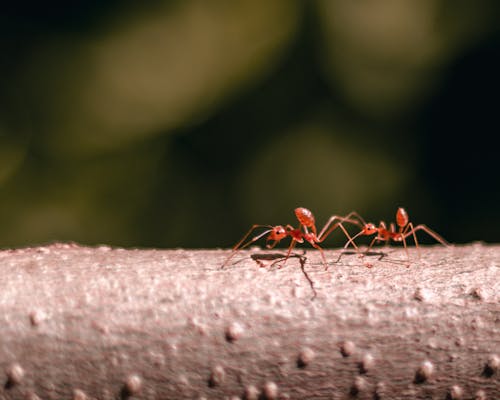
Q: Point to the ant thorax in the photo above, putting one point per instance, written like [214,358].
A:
[297,235]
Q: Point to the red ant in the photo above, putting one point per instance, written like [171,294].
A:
[306,221]
[406,229]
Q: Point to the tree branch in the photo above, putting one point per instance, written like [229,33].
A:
[103,323]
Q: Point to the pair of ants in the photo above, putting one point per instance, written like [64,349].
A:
[306,232]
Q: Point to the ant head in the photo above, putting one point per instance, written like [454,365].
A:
[277,233]
[369,229]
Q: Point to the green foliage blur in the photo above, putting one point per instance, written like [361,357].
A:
[182,123]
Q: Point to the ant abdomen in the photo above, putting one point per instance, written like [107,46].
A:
[402,217]
[305,216]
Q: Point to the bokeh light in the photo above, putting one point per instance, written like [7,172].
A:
[182,123]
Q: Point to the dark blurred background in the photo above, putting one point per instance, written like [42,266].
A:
[182,123]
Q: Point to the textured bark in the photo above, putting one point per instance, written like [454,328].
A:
[103,323]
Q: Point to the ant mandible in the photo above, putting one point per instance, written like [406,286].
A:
[405,229]
[298,235]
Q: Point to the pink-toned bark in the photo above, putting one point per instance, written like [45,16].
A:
[82,323]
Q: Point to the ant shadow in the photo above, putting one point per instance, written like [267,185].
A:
[277,257]
[380,254]
[371,253]
[9,384]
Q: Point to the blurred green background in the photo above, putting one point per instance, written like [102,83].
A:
[182,123]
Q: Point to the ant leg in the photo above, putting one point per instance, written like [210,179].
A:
[368,264]
[406,250]
[371,244]
[318,247]
[351,241]
[411,230]
[356,215]
[239,245]
[326,230]
[429,231]
[290,248]
[332,228]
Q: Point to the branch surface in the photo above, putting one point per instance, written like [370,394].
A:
[83,323]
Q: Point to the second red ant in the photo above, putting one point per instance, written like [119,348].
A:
[305,232]
[405,229]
